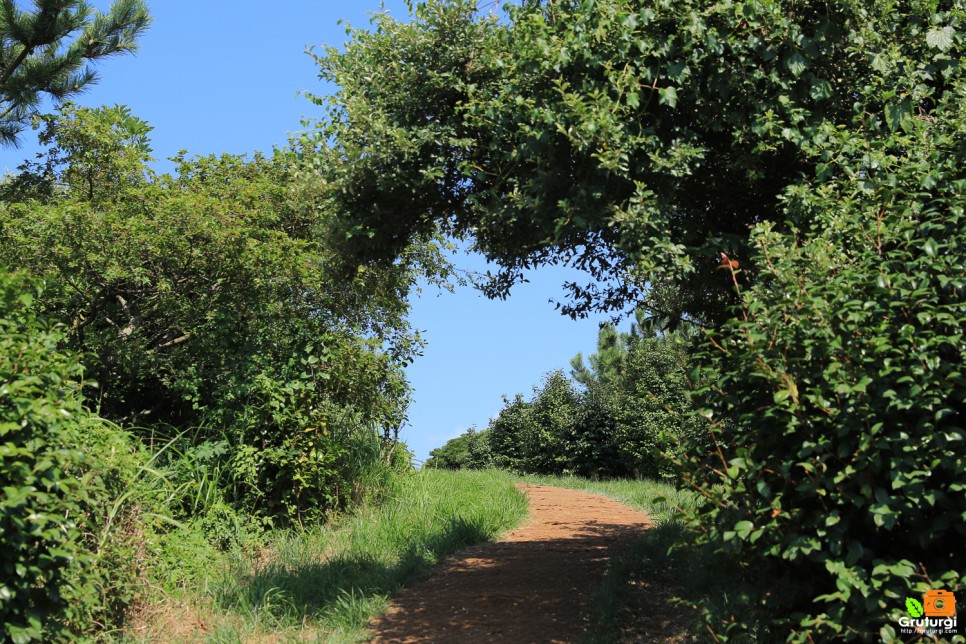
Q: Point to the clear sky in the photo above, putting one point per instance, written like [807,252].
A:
[217,76]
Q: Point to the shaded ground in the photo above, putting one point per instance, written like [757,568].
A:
[529,587]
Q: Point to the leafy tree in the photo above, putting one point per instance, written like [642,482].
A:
[49,50]
[635,142]
[468,451]
[204,300]
[530,436]
[788,173]
[93,153]
[590,445]
[632,418]
[506,433]
[653,411]
[639,381]
[553,411]
[604,366]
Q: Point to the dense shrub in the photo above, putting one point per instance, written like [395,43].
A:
[590,440]
[552,412]
[70,529]
[204,300]
[530,436]
[652,410]
[505,432]
[840,484]
[41,503]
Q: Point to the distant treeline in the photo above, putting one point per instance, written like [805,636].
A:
[625,414]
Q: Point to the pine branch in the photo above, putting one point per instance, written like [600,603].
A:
[35,57]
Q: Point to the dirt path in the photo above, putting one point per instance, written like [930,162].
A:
[528,587]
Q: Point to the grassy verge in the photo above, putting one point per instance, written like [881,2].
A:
[645,592]
[325,583]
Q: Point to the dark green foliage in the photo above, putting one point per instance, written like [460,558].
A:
[844,468]
[634,141]
[506,430]
[550,415]
[590,446]
[47,50]
[269,392]
[653,413]
[637,410]
[530,436]
[70,529]
[41,406]
[840,485]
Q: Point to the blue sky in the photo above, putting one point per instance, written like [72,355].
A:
[217,76]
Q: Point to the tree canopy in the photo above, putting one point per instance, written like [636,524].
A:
[789,175]
[636,141]
[203,299]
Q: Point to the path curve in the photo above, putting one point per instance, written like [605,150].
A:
[528,587]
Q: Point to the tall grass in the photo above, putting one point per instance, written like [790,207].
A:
[326,582]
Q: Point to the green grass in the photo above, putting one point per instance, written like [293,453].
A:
[325,583]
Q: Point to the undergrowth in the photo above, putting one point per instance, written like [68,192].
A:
[324,583]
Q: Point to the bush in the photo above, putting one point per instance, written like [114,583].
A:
[205,300]
[468,451]
[654,417]
[70,528]
[41,504]
[840,484]
[590,440]
[531,436]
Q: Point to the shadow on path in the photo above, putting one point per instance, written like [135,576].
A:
[293,593]
[530,587]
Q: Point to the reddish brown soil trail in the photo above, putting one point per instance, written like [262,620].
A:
[528,587]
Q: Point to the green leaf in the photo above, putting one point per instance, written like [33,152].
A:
[668,96]
[880,64]
[797,64]
[744,528]
[899,115]
[941,38]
